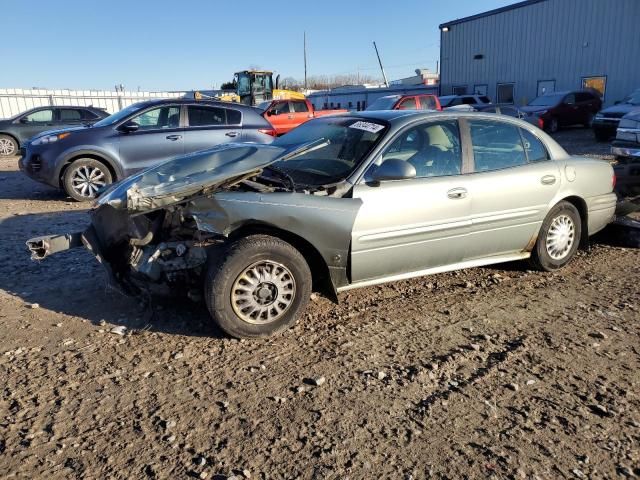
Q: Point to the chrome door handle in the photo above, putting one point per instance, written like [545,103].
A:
[231,134]
[457,193]
[173,138]
[548,180]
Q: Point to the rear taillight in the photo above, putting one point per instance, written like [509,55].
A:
[541,124]
[269,131]
[613,181]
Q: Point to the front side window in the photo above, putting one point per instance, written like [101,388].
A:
[408,104]
[280,108]
[163,117]
[206,116]
[469,100]
[300,107]
[496,145]
[432,148]
[68,114]
[40,116]
[340,144]
[536,151]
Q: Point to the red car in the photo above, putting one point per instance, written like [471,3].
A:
[285,115]
[560,109]
[406,102]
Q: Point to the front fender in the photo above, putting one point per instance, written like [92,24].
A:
[109,157]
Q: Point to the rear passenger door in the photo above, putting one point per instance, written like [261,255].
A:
[209,125]
[512,184]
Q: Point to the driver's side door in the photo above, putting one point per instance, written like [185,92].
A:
[280,116]
[411,225]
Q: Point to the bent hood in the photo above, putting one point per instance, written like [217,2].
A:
[195,174]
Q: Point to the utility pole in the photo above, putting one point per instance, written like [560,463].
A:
[384,75]
[305,61]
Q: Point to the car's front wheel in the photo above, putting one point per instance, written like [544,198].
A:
[257,287]
[558,239]
[84,178]
[8,146]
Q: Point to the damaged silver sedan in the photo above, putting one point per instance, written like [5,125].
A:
[339,203]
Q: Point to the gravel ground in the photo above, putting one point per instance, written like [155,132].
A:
[494,372]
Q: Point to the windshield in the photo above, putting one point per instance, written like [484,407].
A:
[633,99]
[446,101]
[116,117]
[263,106]
[547,100]
[384,103]
[341,144]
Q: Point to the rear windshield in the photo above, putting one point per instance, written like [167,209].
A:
[383,103]
[341,144]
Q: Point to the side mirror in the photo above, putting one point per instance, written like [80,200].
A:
[129,127]
[24,120]
[393,169]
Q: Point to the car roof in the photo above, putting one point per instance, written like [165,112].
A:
[191,101]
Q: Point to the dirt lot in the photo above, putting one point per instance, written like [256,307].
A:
[499,372]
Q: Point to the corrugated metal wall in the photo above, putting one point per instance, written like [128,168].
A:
[561,40]
[16,100]
[351,97]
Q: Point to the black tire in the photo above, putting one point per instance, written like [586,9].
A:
[601,136]
[553,125]
[589,121]
[8,146]
[542,256]
[225,280]
[99,175]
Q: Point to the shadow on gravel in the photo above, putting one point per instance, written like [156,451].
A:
[16,185]
[73,282]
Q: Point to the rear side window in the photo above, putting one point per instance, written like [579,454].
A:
[205,116]
[300,107]
[234,117]
[428,103]
[583,97]
[535,149]
[70,114]
[469,101]
[496,145]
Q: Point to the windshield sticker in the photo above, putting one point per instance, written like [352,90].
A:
[367,126]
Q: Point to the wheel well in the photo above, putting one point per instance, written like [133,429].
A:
[112,171]
[317,265]
[581,206]
[12,136]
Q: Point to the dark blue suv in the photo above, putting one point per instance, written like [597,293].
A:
[81,161]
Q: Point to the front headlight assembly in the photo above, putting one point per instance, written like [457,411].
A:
[50,138]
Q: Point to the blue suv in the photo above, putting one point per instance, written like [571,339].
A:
[83,160]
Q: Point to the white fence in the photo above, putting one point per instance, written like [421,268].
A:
[16,100]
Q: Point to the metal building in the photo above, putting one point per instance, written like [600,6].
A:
[515,53]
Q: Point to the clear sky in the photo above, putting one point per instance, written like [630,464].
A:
[188,44]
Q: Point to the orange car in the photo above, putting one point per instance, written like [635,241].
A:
[406,102]
[285,115]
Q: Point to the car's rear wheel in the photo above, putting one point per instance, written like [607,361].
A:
[558,239]
[257,287]
[83,179]
[8,146]
[553,125]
